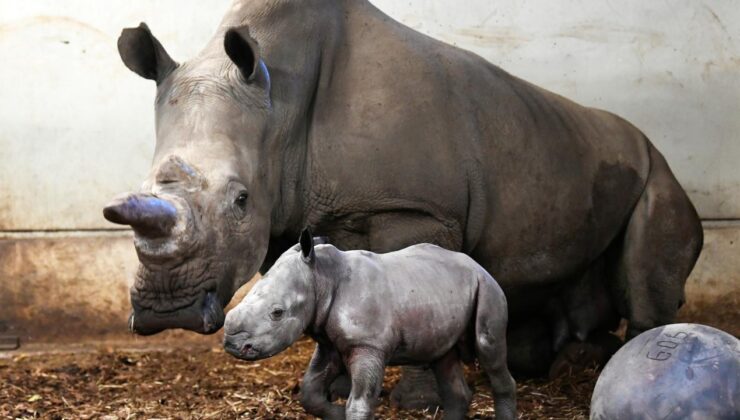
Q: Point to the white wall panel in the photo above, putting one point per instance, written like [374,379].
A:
[76,127]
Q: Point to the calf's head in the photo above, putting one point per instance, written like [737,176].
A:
[277,309]
[202,218]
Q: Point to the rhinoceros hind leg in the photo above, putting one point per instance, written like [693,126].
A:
[417,389]
[490,348]
[530,351]
[453,389]
[661,243]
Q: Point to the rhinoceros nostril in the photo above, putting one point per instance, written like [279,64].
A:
[246,348]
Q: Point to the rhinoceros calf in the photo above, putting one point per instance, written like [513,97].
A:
[422,304]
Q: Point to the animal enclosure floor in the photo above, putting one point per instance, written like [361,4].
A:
[198,380]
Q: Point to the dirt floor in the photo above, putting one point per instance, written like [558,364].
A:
[182,375]
[199,381]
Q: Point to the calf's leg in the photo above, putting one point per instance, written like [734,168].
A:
[325,366]
[416,390]
[490,346]
[366,368]
[453,390]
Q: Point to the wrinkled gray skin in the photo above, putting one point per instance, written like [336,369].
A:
[680,371]
[420,305]
[329,114]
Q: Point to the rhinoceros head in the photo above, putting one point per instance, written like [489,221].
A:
[202,218]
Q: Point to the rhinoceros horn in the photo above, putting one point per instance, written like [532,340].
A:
[148,215]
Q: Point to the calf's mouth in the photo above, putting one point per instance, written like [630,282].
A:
[238,345]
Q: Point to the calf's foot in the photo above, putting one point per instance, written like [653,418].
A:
[417,390]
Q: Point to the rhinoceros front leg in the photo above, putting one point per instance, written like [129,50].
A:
[325,366]
[366,369]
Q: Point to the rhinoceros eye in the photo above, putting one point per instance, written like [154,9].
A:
[241,200]
[277,313]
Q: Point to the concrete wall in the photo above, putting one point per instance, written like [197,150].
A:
[76,127]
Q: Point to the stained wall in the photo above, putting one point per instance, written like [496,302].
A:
[76,127]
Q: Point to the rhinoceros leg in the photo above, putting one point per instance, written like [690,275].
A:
[640,278]
[661,243]
[366,368]
[490,348]
[587,310]
[326,364]
[453,389]
[530,350]
[417,389]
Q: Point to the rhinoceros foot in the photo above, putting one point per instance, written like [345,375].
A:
[575,357]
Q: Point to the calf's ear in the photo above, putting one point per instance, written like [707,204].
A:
[142,53]
[306,242]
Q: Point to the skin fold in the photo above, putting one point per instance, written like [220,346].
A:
[419,305]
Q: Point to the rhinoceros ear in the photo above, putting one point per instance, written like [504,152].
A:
[243,50]
[142,53]
[306,242]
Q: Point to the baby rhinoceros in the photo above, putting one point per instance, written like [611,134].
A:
[419,305]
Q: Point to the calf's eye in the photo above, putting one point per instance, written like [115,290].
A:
[277,313]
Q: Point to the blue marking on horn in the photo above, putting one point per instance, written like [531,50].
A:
[150,206]
[147,214]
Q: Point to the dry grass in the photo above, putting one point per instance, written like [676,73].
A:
[200,382]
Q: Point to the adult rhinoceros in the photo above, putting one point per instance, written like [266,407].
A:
[330,114]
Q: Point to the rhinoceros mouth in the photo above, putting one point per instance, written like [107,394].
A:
[177,296]
[204,316]
[165,290]
[238,345]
